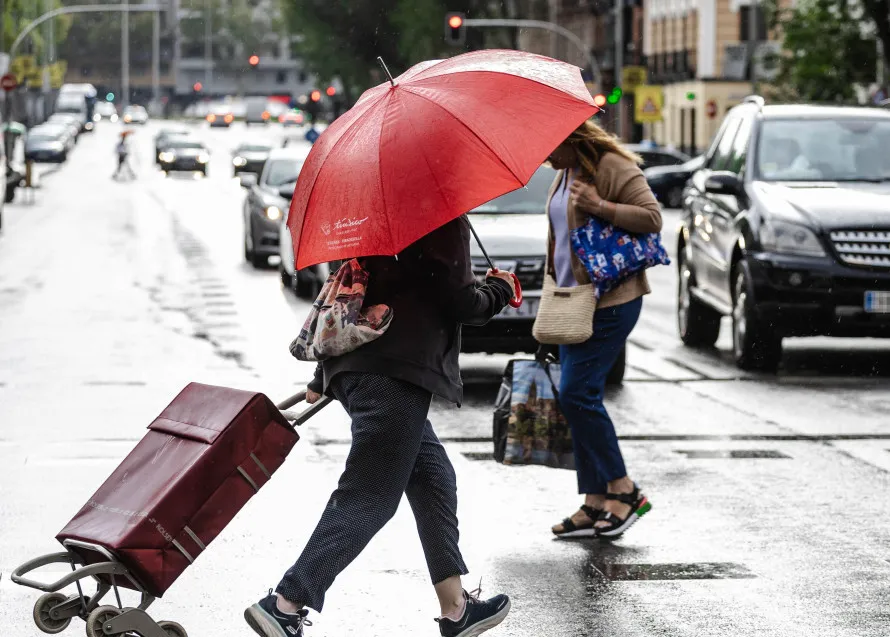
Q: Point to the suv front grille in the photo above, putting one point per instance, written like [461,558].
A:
[863,248]
[529,270]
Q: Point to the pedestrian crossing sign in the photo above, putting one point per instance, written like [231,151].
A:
[648,104]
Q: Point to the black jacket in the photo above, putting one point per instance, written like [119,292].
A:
[431,289]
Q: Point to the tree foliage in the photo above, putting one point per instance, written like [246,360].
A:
[18,14]
[826,49]
[342,38]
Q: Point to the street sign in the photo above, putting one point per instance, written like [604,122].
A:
[648,104]
[8,82]
[632,77]
[312,135]
[711,109]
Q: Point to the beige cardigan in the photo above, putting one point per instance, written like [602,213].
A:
[620,181]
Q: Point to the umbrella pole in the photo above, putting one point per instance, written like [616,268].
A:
[481,247]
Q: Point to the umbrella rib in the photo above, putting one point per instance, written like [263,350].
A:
[475,134]
[389,95]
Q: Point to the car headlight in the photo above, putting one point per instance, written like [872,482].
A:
[790,238]
[273,212]
[114,118]
[58,146]
[239,161]
[166,157]
[96,117]
[203,158]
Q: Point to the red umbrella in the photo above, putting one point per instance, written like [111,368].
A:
[424,148]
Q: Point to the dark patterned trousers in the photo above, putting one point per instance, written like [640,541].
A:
[394,451]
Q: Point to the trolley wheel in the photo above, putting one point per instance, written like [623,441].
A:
[42,618]
[97,618]
[173,629]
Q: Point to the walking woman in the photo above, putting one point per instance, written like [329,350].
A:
[386,387]
[597,176]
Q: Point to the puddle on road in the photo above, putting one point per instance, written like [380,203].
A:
[672,572]
[732,454]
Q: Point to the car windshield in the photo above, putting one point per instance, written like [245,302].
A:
[40,139]
[183,144]
[253,148]
[283,171]
[528,200]
[848,149]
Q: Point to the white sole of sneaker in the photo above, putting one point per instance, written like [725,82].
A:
[629,522]
[580,533]
[487,624]
[262,623]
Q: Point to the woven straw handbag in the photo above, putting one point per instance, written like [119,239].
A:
[565,315]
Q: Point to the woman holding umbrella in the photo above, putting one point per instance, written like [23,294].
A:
[394,177]
[598,177]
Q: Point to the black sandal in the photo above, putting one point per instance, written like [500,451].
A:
[639,506]
[572,530]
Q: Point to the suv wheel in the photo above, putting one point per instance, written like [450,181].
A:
[286,279]
[754,345]
[698,324]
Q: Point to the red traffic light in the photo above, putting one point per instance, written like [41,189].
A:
[197,86]
[254,60]
[599,100]
[455,21]
[331,91]
[315,96]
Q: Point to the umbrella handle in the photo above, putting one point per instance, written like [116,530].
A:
[516,301]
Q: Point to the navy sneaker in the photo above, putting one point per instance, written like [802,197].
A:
[478,617]
[267,621]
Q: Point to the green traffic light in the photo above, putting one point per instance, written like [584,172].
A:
[109,97]
[690,96]
[615,95]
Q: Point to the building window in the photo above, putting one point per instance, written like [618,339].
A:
[281,77]
[745,24]
[303,77]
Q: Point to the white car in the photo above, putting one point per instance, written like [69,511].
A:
[135,114]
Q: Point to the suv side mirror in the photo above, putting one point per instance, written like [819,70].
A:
[248,180]
[723,182]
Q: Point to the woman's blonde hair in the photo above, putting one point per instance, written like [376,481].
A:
[590,142]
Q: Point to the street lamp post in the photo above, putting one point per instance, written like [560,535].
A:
[125,55]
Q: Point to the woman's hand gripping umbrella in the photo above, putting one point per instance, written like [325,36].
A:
[426,147]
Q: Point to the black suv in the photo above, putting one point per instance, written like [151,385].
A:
[786,228]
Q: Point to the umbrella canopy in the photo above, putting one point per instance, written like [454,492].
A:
[15,127]
[419,151]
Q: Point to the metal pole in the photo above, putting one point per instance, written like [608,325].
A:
[619,60]
[208,47]
[752,43]
[156,61]
[549,26]
[125,55]
[553,17]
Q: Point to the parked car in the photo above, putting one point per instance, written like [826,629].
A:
[76,104]
[66,119]
[183,154]
[786,228]
[165,136]
[220,116]
[257,111]
[266,205]
[658,155]
[291,118]
[668,182]
[105,110]
[135,114]
[48,143]
[249,158]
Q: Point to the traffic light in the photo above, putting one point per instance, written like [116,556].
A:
[109,97]
[599,100]
[455,29]
[197,86]
[315,96]
[615,95]
[330,91]
[253,60]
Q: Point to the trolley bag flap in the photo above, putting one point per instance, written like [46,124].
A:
[202,459]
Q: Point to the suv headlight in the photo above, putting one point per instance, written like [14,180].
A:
[239,161]
[790,238]
[203,158]
[273,213]
[166,157]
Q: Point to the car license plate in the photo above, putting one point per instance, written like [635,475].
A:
[528,309]
[877,302]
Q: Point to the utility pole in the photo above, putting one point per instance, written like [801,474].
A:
[619,62]
[208,46]
[125,55]
[752,44]
[156,62]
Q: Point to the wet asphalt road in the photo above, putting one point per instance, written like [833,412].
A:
[771,494]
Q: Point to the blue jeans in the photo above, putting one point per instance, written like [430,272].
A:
[584,369]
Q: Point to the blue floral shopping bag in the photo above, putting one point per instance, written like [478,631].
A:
[612,255]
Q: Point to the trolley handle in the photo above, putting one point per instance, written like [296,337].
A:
[299,418]
[102,568]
